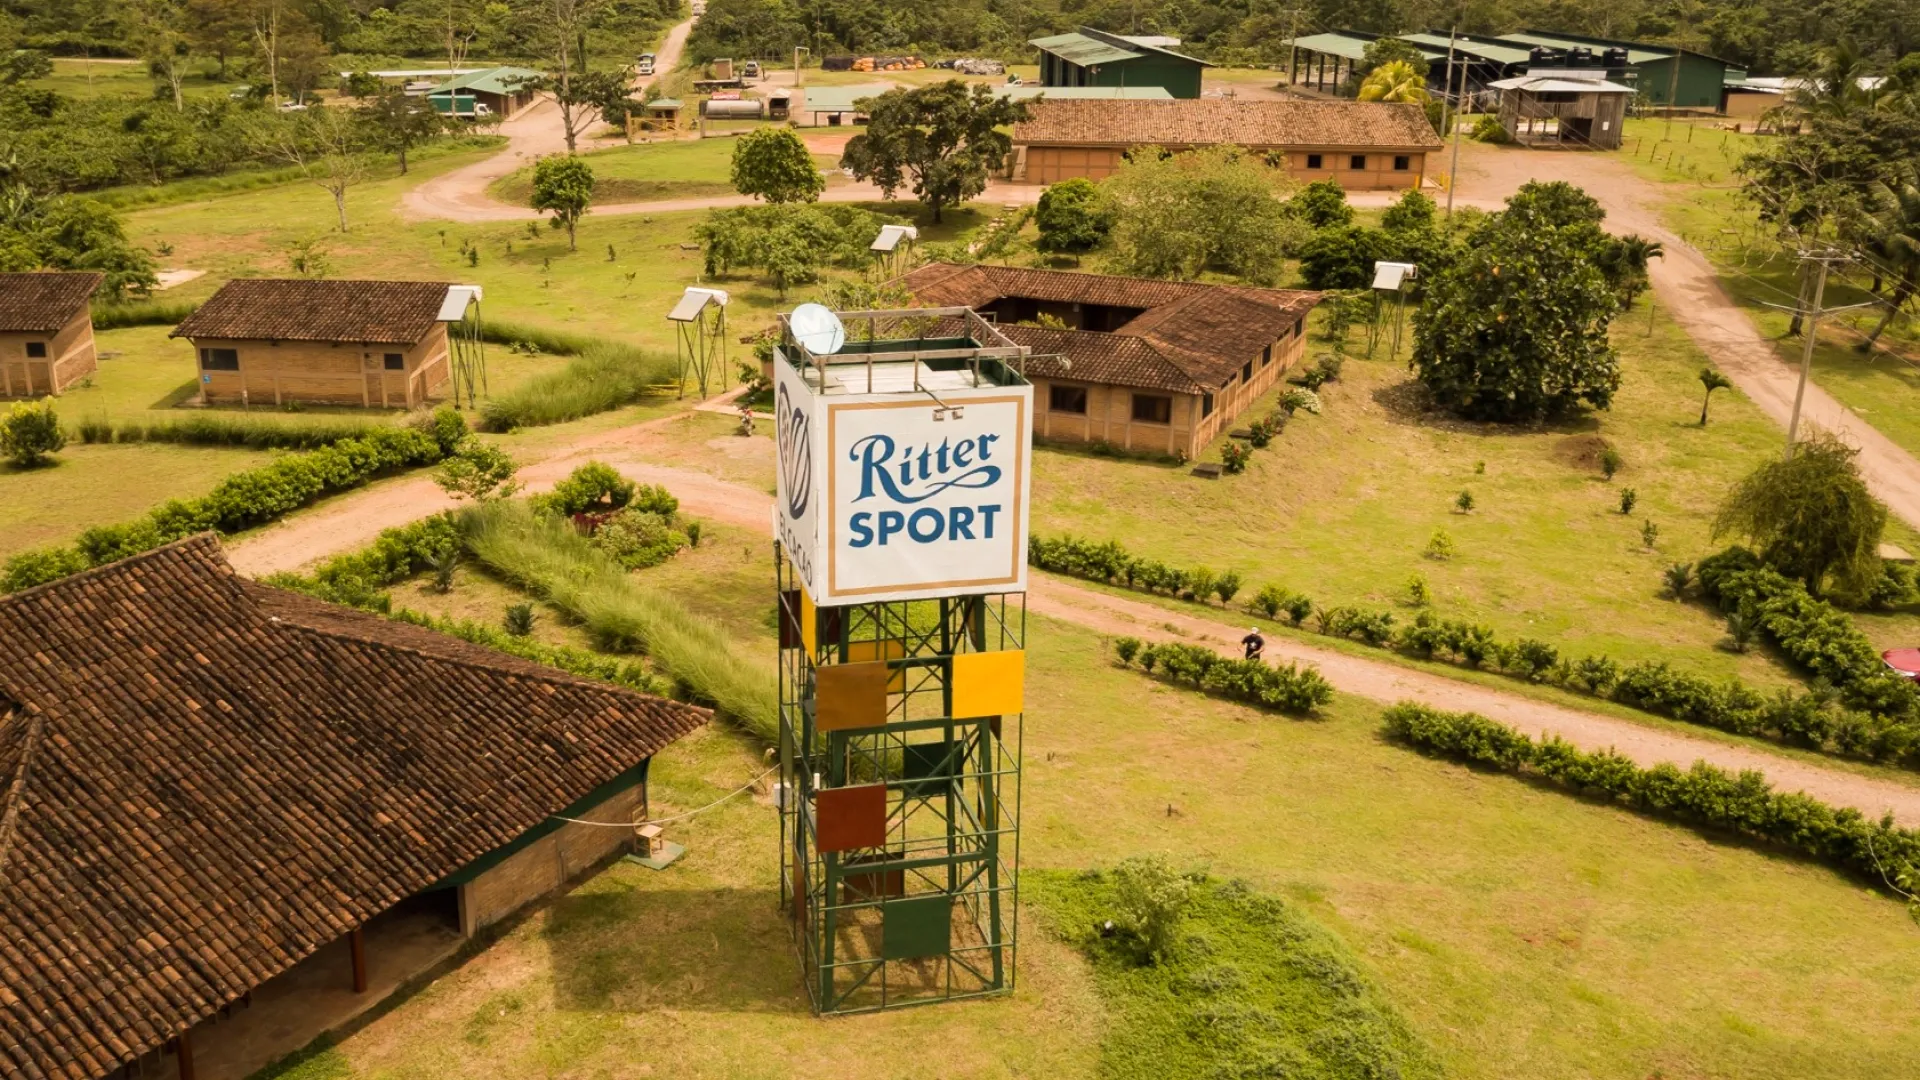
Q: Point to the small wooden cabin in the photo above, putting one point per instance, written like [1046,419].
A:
[379,344]
[46,332]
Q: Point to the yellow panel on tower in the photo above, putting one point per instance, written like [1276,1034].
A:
[989,683]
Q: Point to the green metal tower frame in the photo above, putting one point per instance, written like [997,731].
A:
[923,908]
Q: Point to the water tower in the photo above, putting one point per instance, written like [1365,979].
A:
[904,466]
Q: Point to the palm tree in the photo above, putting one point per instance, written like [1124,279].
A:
[1712,380]
[1834,89]
[1895,224]
[1626,262]
[1397,80]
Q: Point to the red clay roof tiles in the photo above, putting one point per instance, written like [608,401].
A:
[293,309]
[1189,337]
[203,780]
[42,303]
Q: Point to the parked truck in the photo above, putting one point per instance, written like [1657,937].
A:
[645,66]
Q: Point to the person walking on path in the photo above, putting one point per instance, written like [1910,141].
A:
[1254,643]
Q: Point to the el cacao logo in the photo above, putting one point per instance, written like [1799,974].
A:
[796,454]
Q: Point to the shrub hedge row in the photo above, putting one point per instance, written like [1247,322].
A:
[1291,688]
[249,432]
[360,579]
[1705,795]
[1813,633]
[1811,720]
[242,500]
[542,338]
[108,316]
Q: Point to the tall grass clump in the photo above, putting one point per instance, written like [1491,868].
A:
[604,376]
[546,556]
[544,339]
[253,433]
[141,313]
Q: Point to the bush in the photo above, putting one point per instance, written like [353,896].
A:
[519,620]
[1610,462]
[1234,457]
[1628,498]
[30,433]
[1298,607]
[1292,688]
[1149,899]
[1488,129]
[1227,586]
[1296,400]
[603,376]
[360,578]
[637,539]
[1464,501]
[1126,649]
[1440,546]
[1704,796]
[241,501]
[1679,578]
[1269,601]
[595,487]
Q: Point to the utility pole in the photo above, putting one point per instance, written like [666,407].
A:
[1453,170]
[1293,33]
[1817,263]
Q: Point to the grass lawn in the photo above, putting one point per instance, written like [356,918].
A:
[1522,933]
[106,485]
[78,78]
[1341,506]
[675,169]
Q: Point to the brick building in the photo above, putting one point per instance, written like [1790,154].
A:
[205,781]
[371,343]
[1364,145]
[1151,366]
[46,332]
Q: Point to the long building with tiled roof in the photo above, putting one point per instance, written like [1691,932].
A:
[203,781]
[1140,364]
[1364,145]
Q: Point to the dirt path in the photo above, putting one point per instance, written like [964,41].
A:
[351,522]
[1689,292]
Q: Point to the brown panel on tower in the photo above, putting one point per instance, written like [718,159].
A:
[850,696]
[851,817]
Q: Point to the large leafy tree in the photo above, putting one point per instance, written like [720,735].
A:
[1515,327]
[1182,215]
[1810,516]
[397,123]
[1894,245]
[941,140]
[563,187]
[773,164]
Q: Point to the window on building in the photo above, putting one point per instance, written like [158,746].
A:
[394,361]
[1067,399]
[1402,162]
[1313,161]
[1357,161]
[1266,356]
[36,350]
[1206,404]
[1299,327]
[220,359]
[1152,409]
[1246,371]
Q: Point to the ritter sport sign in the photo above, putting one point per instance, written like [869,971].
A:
[878,501]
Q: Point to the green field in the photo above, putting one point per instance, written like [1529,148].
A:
[677,169]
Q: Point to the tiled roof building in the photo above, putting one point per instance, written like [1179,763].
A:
[46,332]
[1362,144]
[1138,363]
[204,780]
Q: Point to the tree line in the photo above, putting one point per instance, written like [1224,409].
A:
[1766,35]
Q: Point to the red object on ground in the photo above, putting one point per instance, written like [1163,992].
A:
[1904,661]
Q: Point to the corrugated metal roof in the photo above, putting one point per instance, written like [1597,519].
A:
[1075,93]
[839,99]
[1636,54]
[1559,84]
[489,81]
[1488,50]
[1348,46]
[1078,48]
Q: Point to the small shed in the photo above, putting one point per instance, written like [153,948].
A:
[46,332]
[835,105]
[370,343]
[503,90]
[1089,57]
[660,114]
[1574,108]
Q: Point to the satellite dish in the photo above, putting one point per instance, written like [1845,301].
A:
[817,329]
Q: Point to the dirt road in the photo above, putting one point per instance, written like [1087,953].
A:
[461,195]
[1689,291]
[352,521]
